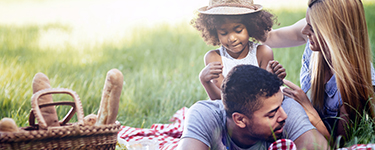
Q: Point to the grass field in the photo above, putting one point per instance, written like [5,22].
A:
[160,65]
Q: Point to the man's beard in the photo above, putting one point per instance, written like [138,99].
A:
[269,138]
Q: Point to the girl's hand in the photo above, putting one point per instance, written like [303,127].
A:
[276,68]
[211,71]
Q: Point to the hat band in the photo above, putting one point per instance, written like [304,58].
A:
[234,5]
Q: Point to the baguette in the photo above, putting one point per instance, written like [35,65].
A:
[41,82]
[109,103]
[8,125]
[90,120]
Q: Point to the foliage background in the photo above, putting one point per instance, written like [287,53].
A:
[160,58]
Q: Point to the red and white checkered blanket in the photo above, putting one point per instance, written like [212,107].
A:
[286,144]
[282,144]
[359,147]
[168,135]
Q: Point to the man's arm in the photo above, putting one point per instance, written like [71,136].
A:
[288,36]
[313,140]
[191,144]
[200,123]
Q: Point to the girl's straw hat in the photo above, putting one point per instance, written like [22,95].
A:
[230,7]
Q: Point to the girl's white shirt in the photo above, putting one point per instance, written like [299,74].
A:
[229,62]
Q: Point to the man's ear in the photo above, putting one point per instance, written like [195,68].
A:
[240,119]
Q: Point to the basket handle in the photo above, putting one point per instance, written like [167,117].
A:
[65,120]
[36,108]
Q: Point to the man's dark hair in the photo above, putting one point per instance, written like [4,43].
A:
[244,86]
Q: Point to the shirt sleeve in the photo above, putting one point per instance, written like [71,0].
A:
[297,122]
[305,69]
[203,123]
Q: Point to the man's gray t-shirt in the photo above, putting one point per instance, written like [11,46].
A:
[205,121]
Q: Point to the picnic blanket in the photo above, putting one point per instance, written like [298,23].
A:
[359,147]
[168,135]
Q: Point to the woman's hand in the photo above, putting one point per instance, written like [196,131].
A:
[298,95]
[275,67]
[211,71]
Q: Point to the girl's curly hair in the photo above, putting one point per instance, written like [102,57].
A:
[257,25]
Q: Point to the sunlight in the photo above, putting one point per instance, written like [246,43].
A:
[97,21]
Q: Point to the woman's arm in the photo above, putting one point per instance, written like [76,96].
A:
[297,94]
[342,123]
[211,76]
[288,36]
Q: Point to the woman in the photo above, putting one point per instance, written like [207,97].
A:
[341,66]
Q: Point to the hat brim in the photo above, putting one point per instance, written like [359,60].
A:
[229,10]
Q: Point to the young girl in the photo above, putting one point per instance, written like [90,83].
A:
[231,23]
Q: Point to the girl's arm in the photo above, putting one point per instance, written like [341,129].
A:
[211,76]
[288,36]
[265,61]
[264,55]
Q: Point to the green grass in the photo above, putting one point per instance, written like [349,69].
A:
[160,67]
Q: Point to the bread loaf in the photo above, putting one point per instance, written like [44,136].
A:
[8,125]
[90,120]
[110,97]
[41,82]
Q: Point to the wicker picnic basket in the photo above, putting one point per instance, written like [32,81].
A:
[67,136]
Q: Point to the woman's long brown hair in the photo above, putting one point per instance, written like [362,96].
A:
[340,26]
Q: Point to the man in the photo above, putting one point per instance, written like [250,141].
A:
[252,113]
